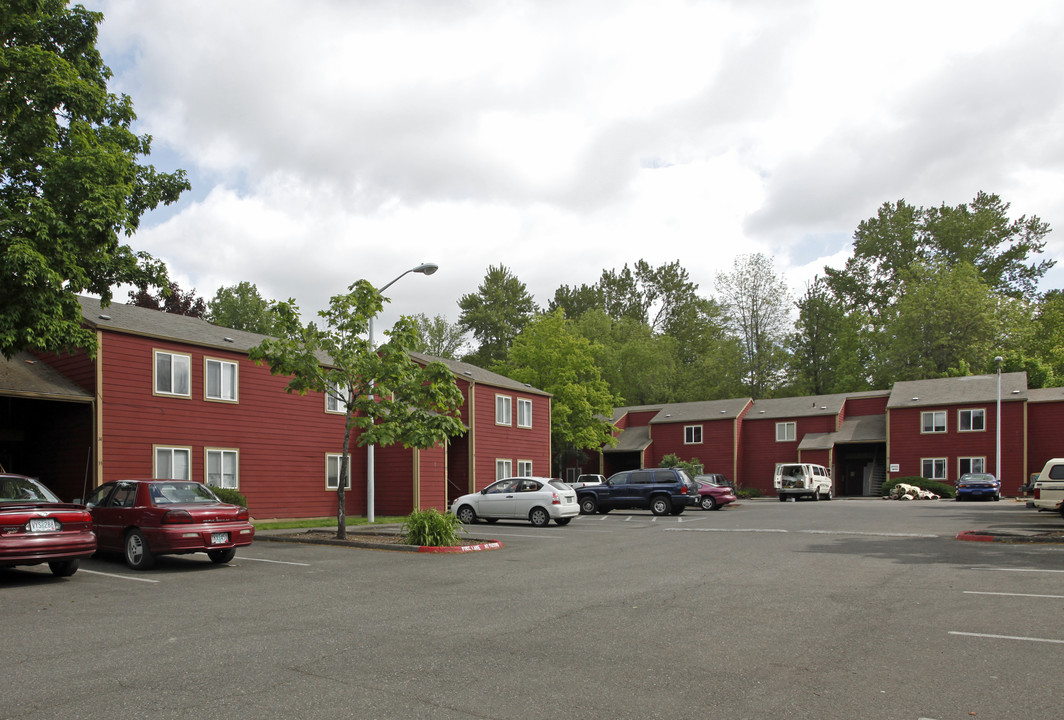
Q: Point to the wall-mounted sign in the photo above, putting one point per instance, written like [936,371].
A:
[895,467]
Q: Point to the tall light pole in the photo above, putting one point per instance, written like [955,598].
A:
[997,458]
[424,269]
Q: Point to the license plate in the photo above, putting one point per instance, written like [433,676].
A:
[43,525]
[219,538]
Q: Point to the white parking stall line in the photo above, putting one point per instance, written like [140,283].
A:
[1007,637]
[1028,570]
[276,562]
[1024,595]
[728,530]
[120,577]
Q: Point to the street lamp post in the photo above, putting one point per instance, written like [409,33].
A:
[424,269]
[997,423]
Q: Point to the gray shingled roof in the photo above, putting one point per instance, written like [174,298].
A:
[633,439]
[478,374]
[794,407]
[951,391]
[1040,395]
[861,429]
[26,376]
[697,411]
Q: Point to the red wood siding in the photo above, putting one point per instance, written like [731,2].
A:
[909,446]
[865,406]
[761,452]
[78,368]
[1045,434]
[509,442]
[715,452]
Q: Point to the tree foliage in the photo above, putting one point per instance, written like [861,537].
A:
[495,314]
[71,180]
[241,307]
[437,337]
[171,299]
[388,398]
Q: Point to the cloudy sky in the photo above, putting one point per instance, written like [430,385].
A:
[331,140]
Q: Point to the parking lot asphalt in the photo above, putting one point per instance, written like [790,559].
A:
[762,610]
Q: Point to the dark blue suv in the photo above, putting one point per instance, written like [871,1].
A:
[664,491]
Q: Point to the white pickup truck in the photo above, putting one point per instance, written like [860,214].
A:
[1049,487]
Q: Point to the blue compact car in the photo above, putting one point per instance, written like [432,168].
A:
[975,485]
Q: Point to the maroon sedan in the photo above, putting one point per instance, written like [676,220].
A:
[146,518]
[37,527]
[712,496]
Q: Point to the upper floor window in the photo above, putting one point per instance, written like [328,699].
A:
[172,372]
[334,399]
[220,380]
[503,410]
[333,469]
[524,413]
[692,435]
[933,422]
[173,463]
[222,468]
[785,432]
[971,420]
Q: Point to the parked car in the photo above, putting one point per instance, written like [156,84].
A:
[1049,486]
[663,491]
[795,480]
[146,518]
[586,479]
[973,485]
[712,496]
[536,499]
[715,478]
[37,527]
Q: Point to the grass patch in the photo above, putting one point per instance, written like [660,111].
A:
[325,522]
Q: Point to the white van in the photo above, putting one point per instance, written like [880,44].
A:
[794,480]
[1049,487]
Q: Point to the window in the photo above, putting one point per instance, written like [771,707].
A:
[692,435]
[970,465]
[221,467]
[334,400]
[172,373]
[933,422]
[524,468]
[571,474]
[971,421]
[332,472]
[933,468]
[524,413]
[503,410]
[172,463]
[785,432]
[220,380]
[503,469]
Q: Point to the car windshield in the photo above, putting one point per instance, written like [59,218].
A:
[180,492]
[19,489]
[976,477]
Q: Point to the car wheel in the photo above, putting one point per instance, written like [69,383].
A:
[708,502]
[466,515]
[783,498]
[660,505]
[539,517]
[830,494]
[222,555]
[562,521]
[997,497]
[588,506]
[63,568]
[816,494]
[138,555]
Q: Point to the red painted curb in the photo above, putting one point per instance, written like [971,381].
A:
[490,545]
[975,536]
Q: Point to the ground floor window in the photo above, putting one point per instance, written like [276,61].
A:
[503,469]
[524,468]
[173,463]
[332,472]
[222,468]
[934,468]
[971,465]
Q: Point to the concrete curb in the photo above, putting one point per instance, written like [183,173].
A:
[990,536]
[353,542]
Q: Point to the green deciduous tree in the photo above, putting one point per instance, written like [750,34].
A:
[388,397]
[70,178]
[495,314]
[241,307]
[438,337]
[550,356]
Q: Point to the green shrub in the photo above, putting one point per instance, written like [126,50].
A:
[748,493]
[692,467]
[430,527]
[936,486]
[228,495]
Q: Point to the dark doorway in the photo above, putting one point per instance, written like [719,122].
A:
[858,466]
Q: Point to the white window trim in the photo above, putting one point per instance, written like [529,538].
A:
[206,379]
[982,462]
[333,487]
[503,468]
[330,397]
[207,451]
[790,431]
[692,442]
[155,369]
[524,403]
[973,411]
[933,461]
[506,408]
[171,449]
[933,431]
[524,468]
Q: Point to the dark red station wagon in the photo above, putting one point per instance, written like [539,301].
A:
[146,518]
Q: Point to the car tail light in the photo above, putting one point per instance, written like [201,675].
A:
[554,499]
[176,516]
[243,514]
[683,490]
